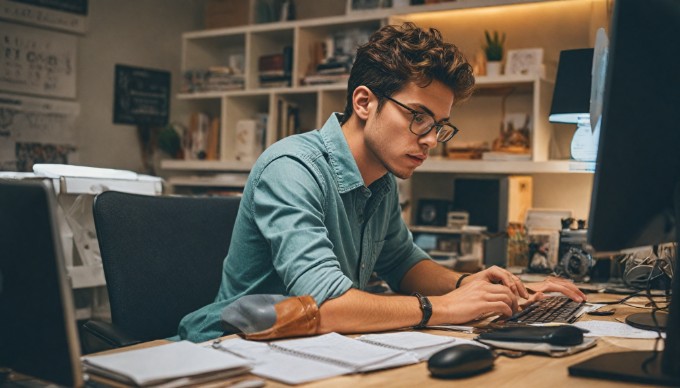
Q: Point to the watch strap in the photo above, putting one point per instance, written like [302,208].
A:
[425,307]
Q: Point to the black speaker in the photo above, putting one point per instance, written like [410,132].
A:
[481,197]
[433,212]
[493,201]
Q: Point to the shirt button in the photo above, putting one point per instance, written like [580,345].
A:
[363,266]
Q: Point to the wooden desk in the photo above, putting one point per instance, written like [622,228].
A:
[527,371]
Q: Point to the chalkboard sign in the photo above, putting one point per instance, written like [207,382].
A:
[141,96]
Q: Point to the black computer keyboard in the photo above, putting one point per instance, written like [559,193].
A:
[558,309]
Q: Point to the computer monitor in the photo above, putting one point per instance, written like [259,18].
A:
[38,335]
[636,189]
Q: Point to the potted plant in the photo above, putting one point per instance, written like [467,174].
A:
[494,52]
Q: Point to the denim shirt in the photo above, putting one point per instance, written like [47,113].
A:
[307,225]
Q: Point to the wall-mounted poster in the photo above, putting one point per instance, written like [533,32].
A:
[35,130]
[141,96]
[69,15]
[37,61]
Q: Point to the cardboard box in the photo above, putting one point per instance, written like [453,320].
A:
[227,13]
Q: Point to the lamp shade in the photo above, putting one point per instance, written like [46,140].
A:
[571,98]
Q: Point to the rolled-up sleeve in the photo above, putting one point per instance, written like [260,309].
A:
[288,206]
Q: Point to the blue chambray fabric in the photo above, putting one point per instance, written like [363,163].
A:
[307,225]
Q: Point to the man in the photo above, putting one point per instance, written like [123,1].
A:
[320,211]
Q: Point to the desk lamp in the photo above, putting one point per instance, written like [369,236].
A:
[571,101]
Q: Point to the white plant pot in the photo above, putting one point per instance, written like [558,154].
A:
[493,68]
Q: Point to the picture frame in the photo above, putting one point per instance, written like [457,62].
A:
[543,249]
[527,61]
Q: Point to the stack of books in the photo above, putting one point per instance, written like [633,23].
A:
[275,69]
[329,73]
[213,79]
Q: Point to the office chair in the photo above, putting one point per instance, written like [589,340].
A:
[162,259]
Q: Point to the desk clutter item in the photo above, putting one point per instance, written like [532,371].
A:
[309,359]
[554,341]
[177,364]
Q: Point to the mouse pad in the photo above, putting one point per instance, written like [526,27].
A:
[541,347]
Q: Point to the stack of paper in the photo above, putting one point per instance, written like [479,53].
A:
[176,364]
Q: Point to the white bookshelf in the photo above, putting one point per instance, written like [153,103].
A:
[553,25]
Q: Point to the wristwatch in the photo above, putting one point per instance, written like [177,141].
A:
[426,307]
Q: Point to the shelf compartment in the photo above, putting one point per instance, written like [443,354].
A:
[330,101]
[246,107]
[308,36]
[262,43]
[201,52]
[303,103]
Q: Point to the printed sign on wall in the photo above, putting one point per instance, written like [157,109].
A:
[35,130]
[36,61]
[69,15]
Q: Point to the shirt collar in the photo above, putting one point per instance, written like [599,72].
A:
[339,155]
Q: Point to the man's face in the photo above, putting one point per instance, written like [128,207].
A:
[387,134]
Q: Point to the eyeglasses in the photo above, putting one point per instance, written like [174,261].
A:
[422,123]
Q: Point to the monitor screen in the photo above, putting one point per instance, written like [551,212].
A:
[38,334]
[634,201]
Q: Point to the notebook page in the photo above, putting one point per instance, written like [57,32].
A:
[338,349]
[279,366]
[423,345]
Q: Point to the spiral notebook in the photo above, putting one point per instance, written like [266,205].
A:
[303,360]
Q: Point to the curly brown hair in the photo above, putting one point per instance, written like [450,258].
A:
[397,55]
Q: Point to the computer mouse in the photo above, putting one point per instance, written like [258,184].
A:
[460,361]
[566,335]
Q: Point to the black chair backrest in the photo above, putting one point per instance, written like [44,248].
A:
[162,257]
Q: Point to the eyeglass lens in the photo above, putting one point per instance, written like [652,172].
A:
[422,124]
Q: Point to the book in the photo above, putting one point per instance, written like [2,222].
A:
[175,364]
[303,360]
[212,148]
[270,62]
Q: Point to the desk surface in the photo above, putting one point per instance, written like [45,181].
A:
[527,371]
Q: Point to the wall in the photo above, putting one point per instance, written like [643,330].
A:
[139,33]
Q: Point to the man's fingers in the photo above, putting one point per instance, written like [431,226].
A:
[511,281]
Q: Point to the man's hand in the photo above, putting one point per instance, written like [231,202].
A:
[556,284]
[477,299]
[496,274]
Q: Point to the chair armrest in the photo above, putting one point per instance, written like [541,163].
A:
[109,334]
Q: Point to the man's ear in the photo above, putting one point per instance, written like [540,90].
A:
[361,99]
